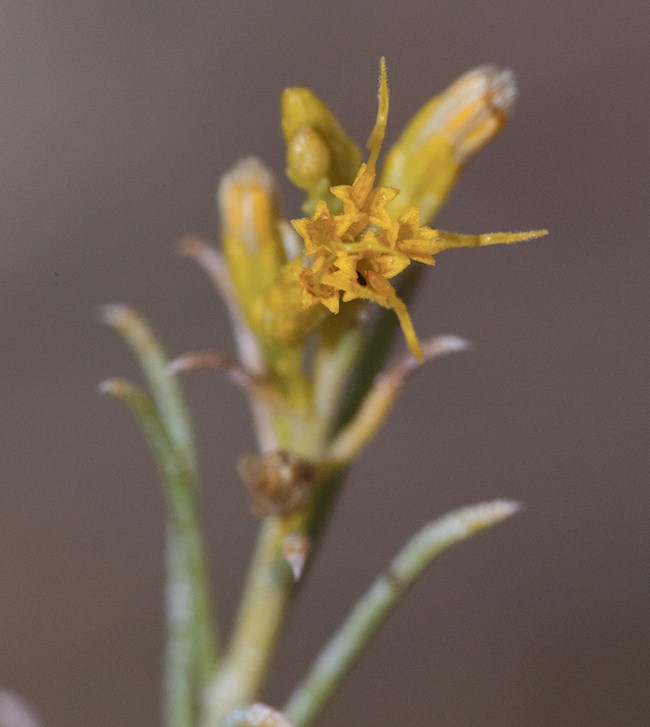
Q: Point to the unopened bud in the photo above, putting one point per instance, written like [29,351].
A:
[319,153]
[247,203]
[252,240]
[472,110]
[450,128]
[308,158]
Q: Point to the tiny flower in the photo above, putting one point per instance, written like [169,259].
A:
[360,233]
[358,251]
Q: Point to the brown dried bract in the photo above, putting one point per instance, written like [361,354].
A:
[279,483]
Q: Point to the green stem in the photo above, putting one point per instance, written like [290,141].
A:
[258,625]
[338,656]
[270,585]
[339,344]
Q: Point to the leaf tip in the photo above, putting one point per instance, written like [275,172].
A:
[502,509]
[117,387]
[440,345]
[114,314]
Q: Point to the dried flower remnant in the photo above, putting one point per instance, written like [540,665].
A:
[279,483]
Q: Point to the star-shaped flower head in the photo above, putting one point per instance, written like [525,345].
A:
[353,254]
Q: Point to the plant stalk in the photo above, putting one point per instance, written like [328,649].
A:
[257,628]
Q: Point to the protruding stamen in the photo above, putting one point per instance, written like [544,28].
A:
[377,135]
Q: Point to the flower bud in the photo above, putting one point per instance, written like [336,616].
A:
[319,153]
[252,238]
[450,128]
[308,158]
[247,202]
[476,107]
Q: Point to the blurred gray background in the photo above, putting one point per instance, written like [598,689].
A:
[117,120]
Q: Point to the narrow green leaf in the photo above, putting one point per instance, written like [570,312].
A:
[164,388]
[192,646]
[340,653]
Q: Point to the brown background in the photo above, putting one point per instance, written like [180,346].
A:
[117,120]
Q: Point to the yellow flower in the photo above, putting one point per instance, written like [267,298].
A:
[357,251]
